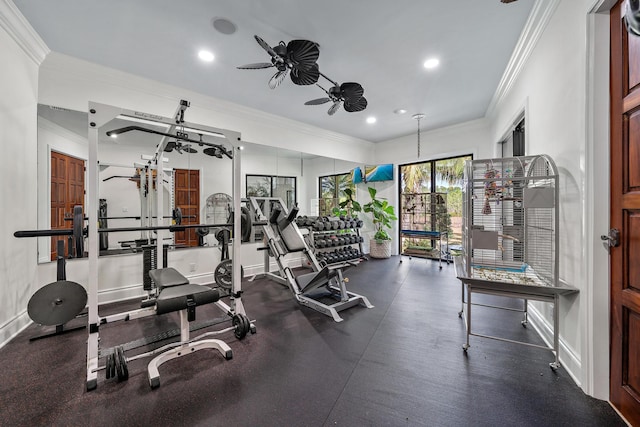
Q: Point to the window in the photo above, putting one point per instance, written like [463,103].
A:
[441,176]
[332,191]
[283,187]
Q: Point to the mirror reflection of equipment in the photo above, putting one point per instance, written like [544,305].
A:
[174,292]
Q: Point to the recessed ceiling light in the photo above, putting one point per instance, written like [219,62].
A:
[400,111]
[431,63]
[206,56]
[224,26]
[371,120]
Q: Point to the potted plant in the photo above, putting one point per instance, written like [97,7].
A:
[349,206]
[383,214]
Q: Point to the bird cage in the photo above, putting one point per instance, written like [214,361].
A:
[218,208]
[510,220]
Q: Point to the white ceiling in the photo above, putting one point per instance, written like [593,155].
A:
[380,44]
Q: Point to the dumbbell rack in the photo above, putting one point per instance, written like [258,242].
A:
[338,242]
[332,239]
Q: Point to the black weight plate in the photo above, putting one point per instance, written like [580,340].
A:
[177,216]
[223,274]
[246,224]
[123,373]
[111,366]
[57,303]
[239,326]
[78,232]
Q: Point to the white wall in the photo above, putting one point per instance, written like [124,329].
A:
[462,139]
[552,87]
[21,53]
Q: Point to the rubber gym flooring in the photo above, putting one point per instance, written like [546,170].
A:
[398,364]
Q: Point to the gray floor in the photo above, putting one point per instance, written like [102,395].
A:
[398,364]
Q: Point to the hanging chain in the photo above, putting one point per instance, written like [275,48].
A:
[418,137]
[418,117]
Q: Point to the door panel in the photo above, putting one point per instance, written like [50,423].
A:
[67,191]
[625,216]
[633,158]
[634,61]
[187,198]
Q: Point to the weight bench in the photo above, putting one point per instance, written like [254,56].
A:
[175,293]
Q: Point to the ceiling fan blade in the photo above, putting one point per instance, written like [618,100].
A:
[358,105]
[256,66]
[317,101]
[263,44]
[188,149]
[278,78]
[170,146]
[335,107]
[351,91]
[305,77]
[303,53]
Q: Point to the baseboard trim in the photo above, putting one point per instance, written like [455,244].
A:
[252,270]
[13,327]
[20,322]
[569,360]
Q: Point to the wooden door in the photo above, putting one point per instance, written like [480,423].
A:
[67,191]
[625,216]
[187,197]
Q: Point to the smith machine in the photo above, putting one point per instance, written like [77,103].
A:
[172,291]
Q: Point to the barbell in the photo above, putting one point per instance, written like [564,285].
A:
[78,231]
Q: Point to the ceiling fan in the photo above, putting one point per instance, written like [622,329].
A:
[179,147]
[349,95]
[296,58]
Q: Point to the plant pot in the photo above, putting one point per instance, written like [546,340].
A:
[379,248]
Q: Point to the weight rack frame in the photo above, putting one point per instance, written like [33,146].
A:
[99,115]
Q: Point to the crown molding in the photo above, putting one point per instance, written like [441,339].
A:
[17,26]
[538,19]
[61,132]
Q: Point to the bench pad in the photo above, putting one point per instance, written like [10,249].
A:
[175,298]
[166,277]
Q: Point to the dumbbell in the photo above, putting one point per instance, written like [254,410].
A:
[319,243]
[341,241]
[318,225]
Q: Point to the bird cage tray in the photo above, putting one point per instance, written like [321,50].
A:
[519,282]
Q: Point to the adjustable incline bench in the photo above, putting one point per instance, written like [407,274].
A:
[324,289]
[175,293]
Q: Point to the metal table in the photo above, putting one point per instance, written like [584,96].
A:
[523,291]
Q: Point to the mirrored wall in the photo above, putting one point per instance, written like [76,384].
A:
[196,178]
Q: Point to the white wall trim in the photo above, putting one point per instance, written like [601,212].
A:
[538,19]
[62,132]
[252,270]
[569,359]
[12,327]
[17,26]
[595,382]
